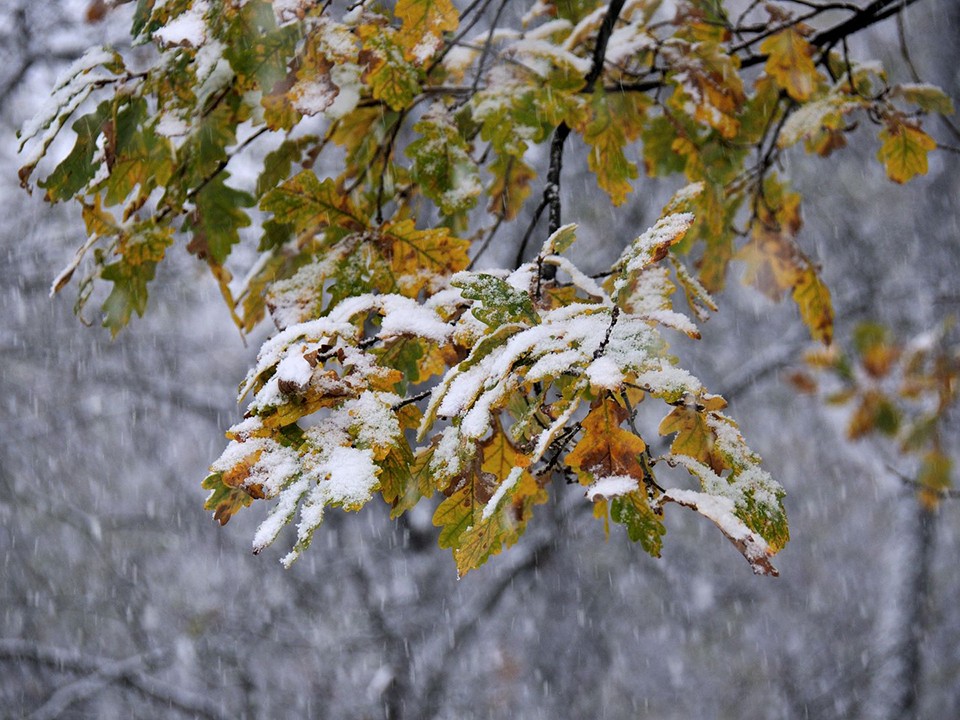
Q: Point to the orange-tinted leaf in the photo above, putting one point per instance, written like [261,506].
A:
[606,449]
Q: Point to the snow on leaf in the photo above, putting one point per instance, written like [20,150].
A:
[720,511]
[187,28]
[81,165]
[497,303]
[442,164]
[560,67]
[925,96]
[580,280]
[756,496]
[560,240]
[424,22]
[649,248]
[698,298]
[346,478]
[280,515]
[604,374]
[608,488]
[708,85]
[815,117]
[73,87]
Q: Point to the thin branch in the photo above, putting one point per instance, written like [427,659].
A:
[486,46]
[945,493]
[551,191]
[614,316]
[872,14]
[104,675]
[387,153]
[486,242]
[221,166]
[905,49]
[411,400]
[521,251]
[467,27]
[603,37]
[72,661]
[561,444]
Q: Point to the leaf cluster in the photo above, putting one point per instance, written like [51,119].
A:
[509,379]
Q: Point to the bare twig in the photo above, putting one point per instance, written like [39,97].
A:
[73,661]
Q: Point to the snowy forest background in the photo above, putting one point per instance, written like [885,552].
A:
[121,598]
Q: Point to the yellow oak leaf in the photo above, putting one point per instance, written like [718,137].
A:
[790,63]
[717,88]
[694,437]
[904,151]
[502,518]
[424,22]
[391,77]
[417,256]
[146,244]
[812,297]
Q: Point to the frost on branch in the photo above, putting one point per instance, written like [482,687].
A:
[533,378]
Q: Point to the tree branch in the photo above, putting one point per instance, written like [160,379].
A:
[551,191]
[108,670]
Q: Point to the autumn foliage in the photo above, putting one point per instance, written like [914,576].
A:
[390,143]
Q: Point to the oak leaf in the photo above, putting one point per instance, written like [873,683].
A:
[904,151]
[606,449]
[424,22]
[790,63]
